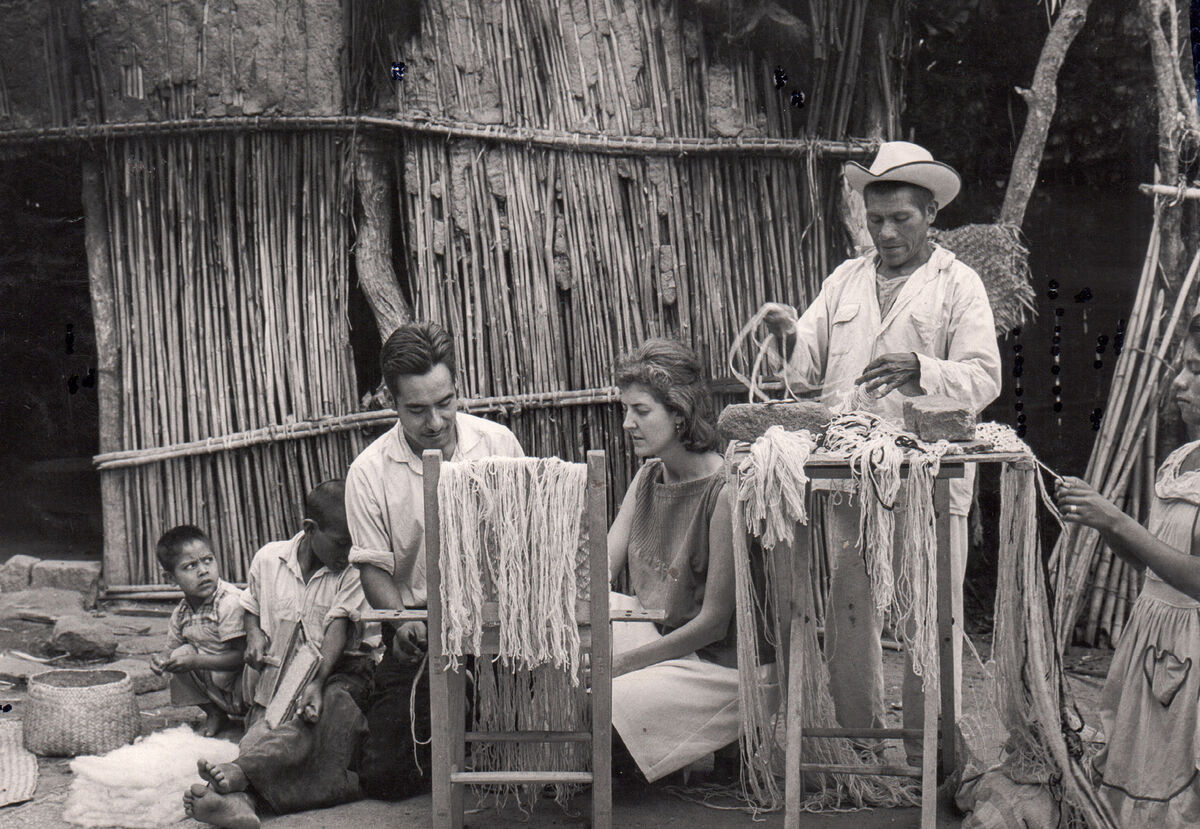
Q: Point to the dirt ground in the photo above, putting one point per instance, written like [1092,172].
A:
[635,806]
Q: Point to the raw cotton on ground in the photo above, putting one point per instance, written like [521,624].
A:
[141,786]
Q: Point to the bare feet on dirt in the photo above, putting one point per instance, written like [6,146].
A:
[229,811]
[225,778]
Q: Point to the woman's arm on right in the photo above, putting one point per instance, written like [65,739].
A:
[618,533]
[1082,504]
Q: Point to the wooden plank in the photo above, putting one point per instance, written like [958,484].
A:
[491,614]
[447,798]
[802,620]
[929,763]
[946,625]
[865,733]
[108,371]
[866,769]
[528,736]
[486,778]
[389,615]
[601,647]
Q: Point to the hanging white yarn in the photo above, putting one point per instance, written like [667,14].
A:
[512,525]
[771,483]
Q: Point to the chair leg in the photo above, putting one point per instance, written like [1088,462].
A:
[448,751]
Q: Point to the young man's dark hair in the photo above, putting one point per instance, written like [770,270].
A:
[170,545]
[415,349]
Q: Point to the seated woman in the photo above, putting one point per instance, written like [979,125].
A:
[675,685]
[1150,706]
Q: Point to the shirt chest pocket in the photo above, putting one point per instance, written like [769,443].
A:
[843,329]
[925,328]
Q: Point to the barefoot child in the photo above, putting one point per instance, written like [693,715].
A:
[307,762]
[206,637]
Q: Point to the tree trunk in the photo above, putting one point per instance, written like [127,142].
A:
[373,247]
[1041,98]
[108,370]
[1166,82]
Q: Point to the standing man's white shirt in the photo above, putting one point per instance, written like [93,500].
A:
[385,499]
[941,314]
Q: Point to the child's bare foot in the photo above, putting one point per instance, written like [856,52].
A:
[215,721]
[229,811]
[225,778]
[189,798]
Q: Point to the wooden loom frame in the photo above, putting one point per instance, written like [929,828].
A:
[796,615]
[447,691]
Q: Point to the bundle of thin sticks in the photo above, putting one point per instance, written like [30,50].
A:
[230,270]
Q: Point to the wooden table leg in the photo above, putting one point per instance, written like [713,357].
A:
[947,653]
[929,763]
[801,626]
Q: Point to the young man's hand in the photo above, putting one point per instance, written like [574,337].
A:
[257,646]
[310,701]
[410,642]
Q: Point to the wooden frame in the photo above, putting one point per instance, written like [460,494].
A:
[447,688]
[937,734]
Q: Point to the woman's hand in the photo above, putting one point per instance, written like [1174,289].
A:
[1080,503]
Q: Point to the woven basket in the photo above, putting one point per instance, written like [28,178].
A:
[80,712]
[996,253]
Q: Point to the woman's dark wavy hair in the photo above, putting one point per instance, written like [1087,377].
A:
[672,373]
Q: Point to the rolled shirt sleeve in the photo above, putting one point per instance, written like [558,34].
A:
[971,370]
[368,530]
[231,617]
[249,597]
[175,627]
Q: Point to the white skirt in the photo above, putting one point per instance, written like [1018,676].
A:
[673,713]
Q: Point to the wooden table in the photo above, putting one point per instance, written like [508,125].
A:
[801,621]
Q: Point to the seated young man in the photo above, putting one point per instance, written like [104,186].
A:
[309,761]
[206,635]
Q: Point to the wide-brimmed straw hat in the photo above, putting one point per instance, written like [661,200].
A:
[909,163]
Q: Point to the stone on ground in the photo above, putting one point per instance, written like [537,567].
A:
[42,604]
[16,573]
[81,576]
[16,670]
[85,637]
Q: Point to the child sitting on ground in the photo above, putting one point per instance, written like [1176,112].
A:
[206,637]
[309,761]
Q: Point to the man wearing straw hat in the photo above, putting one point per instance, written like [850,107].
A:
[904,319]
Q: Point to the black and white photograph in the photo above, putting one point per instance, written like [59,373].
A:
[611,413]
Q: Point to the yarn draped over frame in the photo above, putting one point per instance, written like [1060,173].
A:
[513,532]
[513,525]
[1027,697]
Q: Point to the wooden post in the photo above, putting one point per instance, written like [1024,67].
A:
[597,518]
[108,371]
[373,247]
[801,628]
[947,653]
[446,689]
